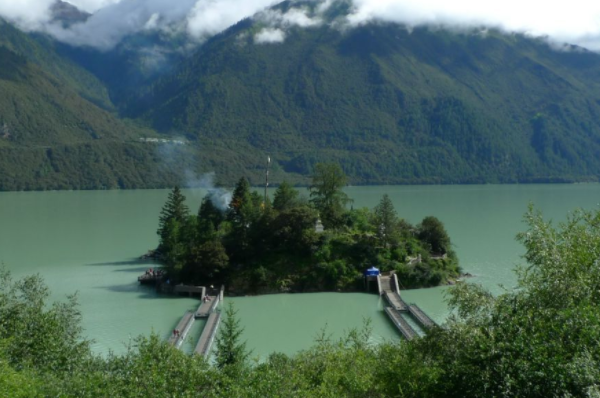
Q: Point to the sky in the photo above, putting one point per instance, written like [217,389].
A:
[575,22]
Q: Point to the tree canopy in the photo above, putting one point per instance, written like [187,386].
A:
[326,193]
[254,247]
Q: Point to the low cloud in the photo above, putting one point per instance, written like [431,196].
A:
[209,17]
[575,22]
[110,24]
[269,35]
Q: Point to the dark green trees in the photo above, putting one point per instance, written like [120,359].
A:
[432,232]
[326,193]
[285,197]
[244,208]
[386,220]
[255,247]
[173,214]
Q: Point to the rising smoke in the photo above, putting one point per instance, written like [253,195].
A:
[219,197]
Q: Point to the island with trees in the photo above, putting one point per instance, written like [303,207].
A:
[299,244]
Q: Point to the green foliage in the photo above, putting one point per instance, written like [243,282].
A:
[326,193]
[34,335]
[255,247]
[231,352]
[174,209]
[386,220]
[539,339]
[432,232]
[285,197]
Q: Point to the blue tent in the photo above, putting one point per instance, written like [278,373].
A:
[372,271]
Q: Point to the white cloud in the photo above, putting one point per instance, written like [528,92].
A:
[269,35]
[28,14]
[107,27]
[91,5]
[210,17]
[293,17]
[300,18]
[576,22]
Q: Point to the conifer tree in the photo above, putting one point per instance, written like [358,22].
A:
[243,211]
[230,351]
[209,219]
[174,210]
[327,195]
[285,197]
[386,220]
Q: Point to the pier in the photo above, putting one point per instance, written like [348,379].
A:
[207,309]
[183,327]
[208,334]
[422,318]
[407,331]
[391,292]
[395,308]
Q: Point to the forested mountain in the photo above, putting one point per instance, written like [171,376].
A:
[390,104]
[56,131]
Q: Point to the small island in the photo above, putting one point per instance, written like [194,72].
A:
[255,245]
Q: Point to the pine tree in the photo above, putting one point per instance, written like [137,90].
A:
[209,219]
[285,197]
[327,195]
[244,209]
[230,351]
[386,220]
[174,210]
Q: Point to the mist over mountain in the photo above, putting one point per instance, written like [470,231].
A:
[304,82]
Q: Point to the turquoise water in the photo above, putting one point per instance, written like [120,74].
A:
[89,242]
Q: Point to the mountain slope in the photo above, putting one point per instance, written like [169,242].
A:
[40,50]
[53,138]
[392,106]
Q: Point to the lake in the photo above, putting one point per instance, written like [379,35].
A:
[89,242]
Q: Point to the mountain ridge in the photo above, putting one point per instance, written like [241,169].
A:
[392,105]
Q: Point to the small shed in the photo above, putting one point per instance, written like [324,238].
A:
[373,271]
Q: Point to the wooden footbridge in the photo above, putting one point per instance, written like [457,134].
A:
[207,309]
[397,309]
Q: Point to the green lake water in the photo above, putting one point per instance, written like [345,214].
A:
[89,241]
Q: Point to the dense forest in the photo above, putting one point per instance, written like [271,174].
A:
[253,245]
[391,105]
[539,339]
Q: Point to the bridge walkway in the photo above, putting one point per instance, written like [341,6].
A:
[389,290]
[207,307]
[208,334]
[183,327]
[407,331]
[422,318]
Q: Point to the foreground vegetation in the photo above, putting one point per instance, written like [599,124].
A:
[538,340]
[253,245]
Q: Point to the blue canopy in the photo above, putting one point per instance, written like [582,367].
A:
[372,271]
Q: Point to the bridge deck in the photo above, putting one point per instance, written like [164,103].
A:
[407,331]
[395,301]
[208,334]
[424,320]
[207,307]
[183,326]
